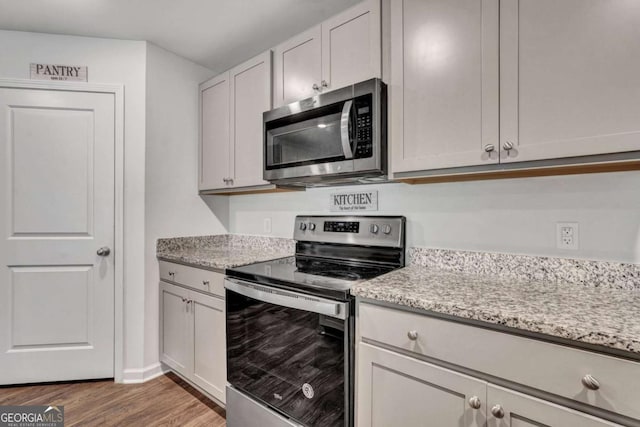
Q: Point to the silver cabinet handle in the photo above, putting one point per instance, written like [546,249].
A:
[497,411]
[489,148]
[590,382]
[205,283]
[474,402]
[184,299]
[508,145]
[103,251]
[344,130]
[315,87]
[324,84]
[413,335]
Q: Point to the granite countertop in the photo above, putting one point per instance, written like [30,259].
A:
[599,315]
[223,251]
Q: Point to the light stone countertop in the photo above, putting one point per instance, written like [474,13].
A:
[599,315]
[224,251]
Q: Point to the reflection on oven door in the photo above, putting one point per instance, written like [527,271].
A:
[289,359]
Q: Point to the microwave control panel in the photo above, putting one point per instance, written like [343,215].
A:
[364,127]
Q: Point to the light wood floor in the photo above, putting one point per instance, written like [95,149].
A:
[164,401]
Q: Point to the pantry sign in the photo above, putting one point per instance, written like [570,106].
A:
[58,72]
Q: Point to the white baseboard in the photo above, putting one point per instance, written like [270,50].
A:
[136,376]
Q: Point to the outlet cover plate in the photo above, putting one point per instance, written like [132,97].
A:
[568,235]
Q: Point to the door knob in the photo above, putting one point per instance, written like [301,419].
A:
[104,251]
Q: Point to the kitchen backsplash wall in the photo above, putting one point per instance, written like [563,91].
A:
[513,216]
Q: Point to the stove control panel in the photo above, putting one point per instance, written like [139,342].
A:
[385,231]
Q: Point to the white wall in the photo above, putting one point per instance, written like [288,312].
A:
[173,207]
[516,215]
[116,62]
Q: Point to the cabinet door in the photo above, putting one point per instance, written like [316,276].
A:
[297,67]
[569,78]
[444,76]
[514,409]
[175,322]
[250,93]
[209,344]
[351,46]
[396,390]
[214,133]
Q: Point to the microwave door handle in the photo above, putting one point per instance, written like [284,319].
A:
[344,130]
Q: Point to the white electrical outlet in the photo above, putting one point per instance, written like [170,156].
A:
[267,225]
[567,234]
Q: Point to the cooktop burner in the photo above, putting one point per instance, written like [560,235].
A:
[323,277]
[332,254]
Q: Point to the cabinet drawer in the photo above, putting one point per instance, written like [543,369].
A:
[195,278]
[544,366]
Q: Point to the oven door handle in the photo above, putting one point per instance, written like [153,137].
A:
[344,129]
[288,299]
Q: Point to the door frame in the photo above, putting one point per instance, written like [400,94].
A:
[118,92]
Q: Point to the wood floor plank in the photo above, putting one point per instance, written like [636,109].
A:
[165,401]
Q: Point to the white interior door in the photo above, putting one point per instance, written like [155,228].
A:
[56,211]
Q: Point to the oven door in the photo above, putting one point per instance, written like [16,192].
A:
[290,351]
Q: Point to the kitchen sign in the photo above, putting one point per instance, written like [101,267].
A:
[354,201]
[58,72]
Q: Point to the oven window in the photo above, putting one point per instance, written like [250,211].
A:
[290,359]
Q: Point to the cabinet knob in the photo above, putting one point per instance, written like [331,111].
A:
[103,251]
[489,148]
[205,283]
[497,411]
[324,83]
[591,383]
[172,273]
[413,335]
[508,145]
[225,180]
[184,299]
[474,402]
[230,181]
[315,87]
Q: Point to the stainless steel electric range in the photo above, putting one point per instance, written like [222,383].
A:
[290,322]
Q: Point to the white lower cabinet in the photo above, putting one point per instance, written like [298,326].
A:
[509,408]
[396,390]
[401,379]
[192,337]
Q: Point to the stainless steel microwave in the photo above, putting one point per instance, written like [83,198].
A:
[338,137]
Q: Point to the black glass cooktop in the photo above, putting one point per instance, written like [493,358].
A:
[322,277]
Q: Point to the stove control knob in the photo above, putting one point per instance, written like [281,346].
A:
[374,228]
[312,226]
[386,229]
[303,226]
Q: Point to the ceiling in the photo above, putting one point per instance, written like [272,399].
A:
[215,33]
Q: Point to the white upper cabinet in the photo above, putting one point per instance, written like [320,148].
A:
[298,67]
[444,83]
[231,143]
[570,73]
[250,96]
[341,51]
[351,44]
[214,133]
